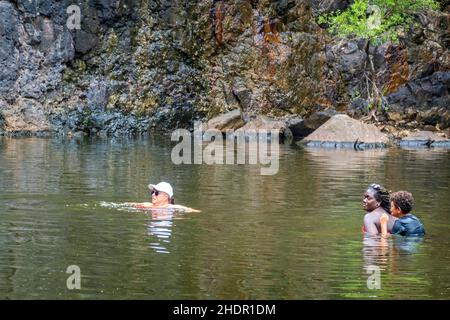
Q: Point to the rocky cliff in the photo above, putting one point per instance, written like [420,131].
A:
[134,66]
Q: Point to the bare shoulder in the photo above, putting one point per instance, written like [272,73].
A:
[368,217]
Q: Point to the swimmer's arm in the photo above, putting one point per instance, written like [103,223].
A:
[186,209]
[369,225]
[141,204]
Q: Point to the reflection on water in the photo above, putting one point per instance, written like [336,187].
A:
[293,235]
[379,250]
[160,226]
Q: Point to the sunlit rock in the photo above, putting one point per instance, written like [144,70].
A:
[341,131]
[228,121]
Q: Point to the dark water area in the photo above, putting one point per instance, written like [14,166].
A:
[293,235]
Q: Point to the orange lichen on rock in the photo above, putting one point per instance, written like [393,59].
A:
[218,22]
[397,60]
[270,31]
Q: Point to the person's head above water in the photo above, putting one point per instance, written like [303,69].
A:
[162,193]
[402,202]
[376,196]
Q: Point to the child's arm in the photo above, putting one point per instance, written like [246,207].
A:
[383,222]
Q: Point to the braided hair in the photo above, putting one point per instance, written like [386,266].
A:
[382,195]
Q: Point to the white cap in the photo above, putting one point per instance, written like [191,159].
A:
[162,186]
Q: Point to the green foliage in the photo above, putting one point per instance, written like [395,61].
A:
[379,20]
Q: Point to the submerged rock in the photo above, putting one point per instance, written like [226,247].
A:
[341,131]
[423,139]
[228,121]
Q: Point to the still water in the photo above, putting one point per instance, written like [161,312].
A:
[293,235]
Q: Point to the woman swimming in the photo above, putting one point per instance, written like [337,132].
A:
[375,203]
[162,198]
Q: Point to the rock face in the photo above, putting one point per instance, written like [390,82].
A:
[425,139]
[424,100]
[26,117]
[134,66]
[343,131]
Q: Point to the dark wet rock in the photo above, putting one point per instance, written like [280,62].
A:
[358,108]
[341,131]
[429,91]
[85,41]
[9,54]
[243,96]
[231,120]
[349,57]
[423,139]
[297,127]
[327,6]
[318,118]
[97,94]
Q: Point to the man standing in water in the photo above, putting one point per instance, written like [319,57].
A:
[376,202]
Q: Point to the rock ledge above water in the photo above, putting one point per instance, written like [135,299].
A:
[425,139]
[341,131]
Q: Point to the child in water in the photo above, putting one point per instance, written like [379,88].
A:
[405,223]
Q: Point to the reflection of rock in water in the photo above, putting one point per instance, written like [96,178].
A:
[427,153]
[336,170]
[346,159]
[161,227]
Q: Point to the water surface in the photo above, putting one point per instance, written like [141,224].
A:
[293,235]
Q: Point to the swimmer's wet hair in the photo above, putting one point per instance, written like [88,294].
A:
[381,194]
[403,200]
